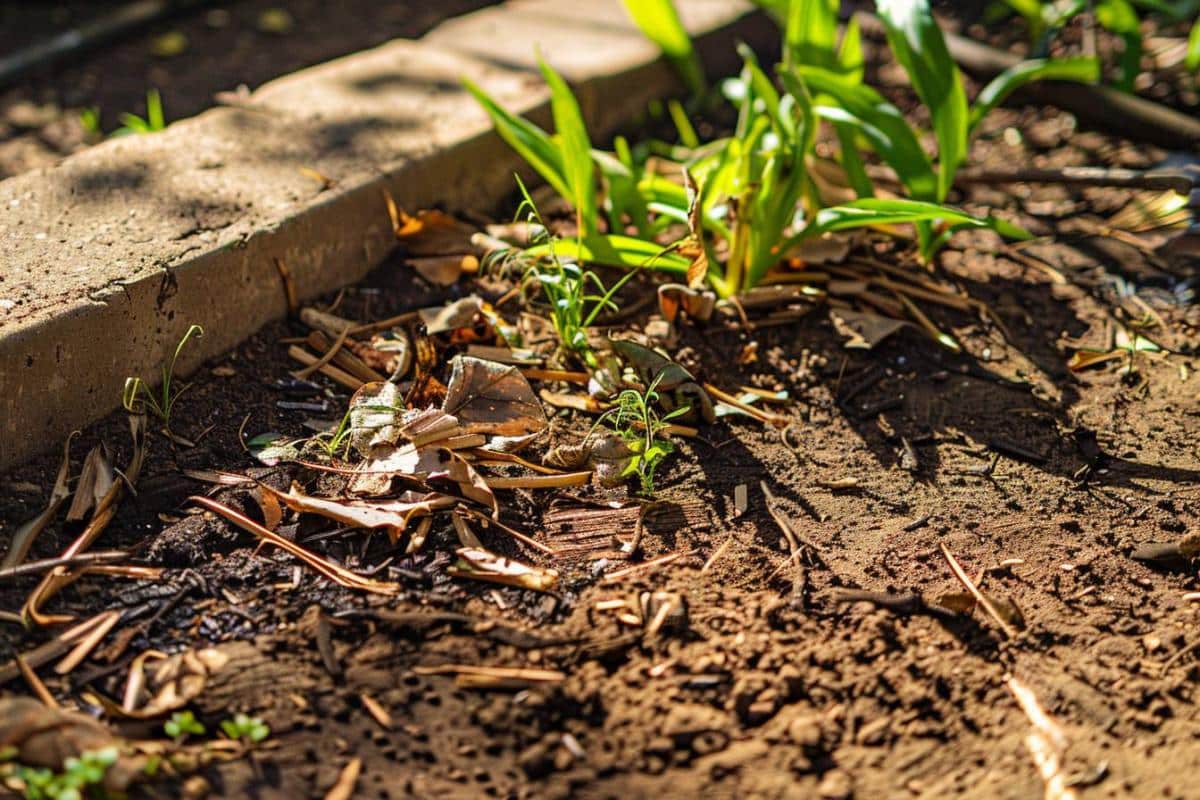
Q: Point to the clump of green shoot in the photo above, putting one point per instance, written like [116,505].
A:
[575,296]
[138,397]
[153,122]
[183,724]
[82,776]
[636,420]
[245,729]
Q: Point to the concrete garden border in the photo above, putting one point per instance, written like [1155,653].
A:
[108,257]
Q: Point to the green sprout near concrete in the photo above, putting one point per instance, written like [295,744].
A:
[138,398]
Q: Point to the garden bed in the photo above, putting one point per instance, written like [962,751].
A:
[762,677]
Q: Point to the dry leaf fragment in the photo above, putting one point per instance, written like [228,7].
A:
[675,297]
[863,330]
[391,515]
[95,480]
[484,565]
[459,314]
[373,412]
[22,540]
[430,232]
[343,788]
[444,270]
[175,682]
[492,398]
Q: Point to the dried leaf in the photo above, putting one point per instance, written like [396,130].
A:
[432,233]
[863,330]
[392,516]
[22,540]
[343,788]
[830,248]
[469,483]
[492,398]
[484,565]
[95,481]
[373,412]
[1082,359]
[175,682]
[675,297]
[444,270]
[459,314]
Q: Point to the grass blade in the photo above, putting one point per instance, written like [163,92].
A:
[576,148]
[529,141]
[1083,69]
[918,44]
[1193,50]
[659,21]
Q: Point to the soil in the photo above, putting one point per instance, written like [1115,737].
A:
[225,45]
[1039,480]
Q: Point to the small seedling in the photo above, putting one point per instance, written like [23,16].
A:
[183,724]
[245,729]
[137,396]
[89,119]
[636,420]
[565,285]
[81,777]
[153,122]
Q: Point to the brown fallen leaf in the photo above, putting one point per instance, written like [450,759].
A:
[484,565]
[492,398]
[863,330]
[459,314]
[173,683]
[23,538]
[444,270]
[430,232]
[95,480]
[675,297]
[392,515]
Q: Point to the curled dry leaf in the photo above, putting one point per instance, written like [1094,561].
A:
[862,329]
[459,314]
[965,603]
[431,232]
[492,398]
[22,540]
[390,352]
[484,565]
[95,481]
[444,270]
[608,457]
[392,516]
[373,413]
[172,684]
[39,736]
[675,297]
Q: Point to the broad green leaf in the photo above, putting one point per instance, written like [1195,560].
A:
[918,44]
[1082,69]
[576,147]
[531,142]
[1193,49]
[660,22]
[881,123]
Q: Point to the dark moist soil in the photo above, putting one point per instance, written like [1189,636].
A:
[771,688]
[225,48]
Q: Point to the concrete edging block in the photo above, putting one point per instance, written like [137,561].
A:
[109,256]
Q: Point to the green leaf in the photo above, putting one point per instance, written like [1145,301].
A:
[1193,49]
[810,35]
[571,132]
[660,22]
[529,141]
[615,251]
[1082,69]
[1119,17]
[873,211]
[881,123]
[918,44]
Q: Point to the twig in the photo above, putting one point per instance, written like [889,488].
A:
[83,559]
[979,596]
